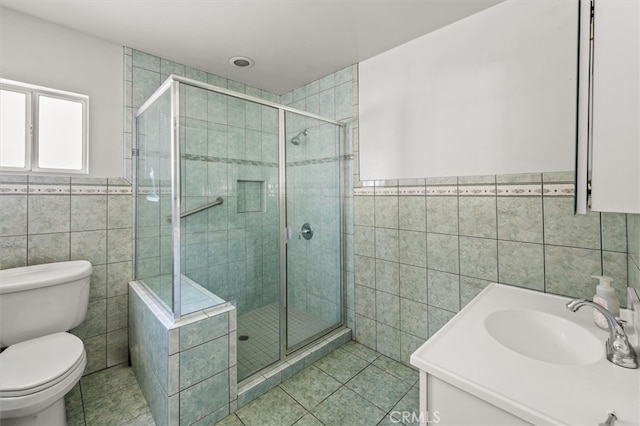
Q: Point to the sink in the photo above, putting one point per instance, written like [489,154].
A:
[522,351]
[544,337]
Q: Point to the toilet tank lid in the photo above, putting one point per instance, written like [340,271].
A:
[47,274]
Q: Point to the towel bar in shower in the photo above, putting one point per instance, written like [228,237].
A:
[217,202]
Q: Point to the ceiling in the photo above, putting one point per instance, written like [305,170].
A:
[293,42]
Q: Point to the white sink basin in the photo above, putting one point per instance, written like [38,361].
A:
[544,337]
[524,352]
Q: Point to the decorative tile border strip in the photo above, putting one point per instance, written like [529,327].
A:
[501,190]
[386,190]
[119,190]
[209,159]
[319,160]
[476,190]
[77,189]
[53,189]
[364,190]
[56,185]
[313,161]
[442,190]
[49,189]
[412,190]
[519,190]
[14,188]
[558,189]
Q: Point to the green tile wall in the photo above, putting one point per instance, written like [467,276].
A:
[52,219]
[424,248]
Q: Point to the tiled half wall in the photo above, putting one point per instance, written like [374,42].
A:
[186,369]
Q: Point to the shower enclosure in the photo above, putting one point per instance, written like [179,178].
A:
[239,200]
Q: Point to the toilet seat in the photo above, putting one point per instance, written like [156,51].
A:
[34,365]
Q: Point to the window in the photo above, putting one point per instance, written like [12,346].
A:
[42,130]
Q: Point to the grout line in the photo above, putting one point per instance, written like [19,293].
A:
[544,243]
[601,244]
[459,272]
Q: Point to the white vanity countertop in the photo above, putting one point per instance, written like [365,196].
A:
[464,354]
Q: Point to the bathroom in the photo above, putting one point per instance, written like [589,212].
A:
[416,250]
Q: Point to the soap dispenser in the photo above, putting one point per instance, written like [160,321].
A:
[606,297]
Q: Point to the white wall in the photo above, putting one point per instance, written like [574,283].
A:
[494,93]
[45,54]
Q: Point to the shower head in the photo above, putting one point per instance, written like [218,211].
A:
[296,139]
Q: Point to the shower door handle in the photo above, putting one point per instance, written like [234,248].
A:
[306,232]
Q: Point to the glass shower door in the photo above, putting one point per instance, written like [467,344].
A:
[230,250]
[154,245]
[314,294]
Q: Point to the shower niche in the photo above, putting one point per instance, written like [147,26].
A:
[220,179]
[251,196]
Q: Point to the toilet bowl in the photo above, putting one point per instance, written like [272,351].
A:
[41,362]
[36,375]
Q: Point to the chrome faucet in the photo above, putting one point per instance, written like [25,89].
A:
[619,351]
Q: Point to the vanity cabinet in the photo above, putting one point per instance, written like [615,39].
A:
[448,405]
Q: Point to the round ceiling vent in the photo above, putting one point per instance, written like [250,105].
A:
[242,62]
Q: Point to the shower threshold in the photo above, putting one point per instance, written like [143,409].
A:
[258,335]
[270,377]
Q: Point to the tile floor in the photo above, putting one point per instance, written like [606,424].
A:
[108,397]
[353,385]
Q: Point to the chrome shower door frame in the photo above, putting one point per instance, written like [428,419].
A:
[176,197]
[173,83]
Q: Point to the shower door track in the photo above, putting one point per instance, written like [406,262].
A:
[311,339]
[222,90]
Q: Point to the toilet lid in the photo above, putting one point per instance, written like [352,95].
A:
[35,364]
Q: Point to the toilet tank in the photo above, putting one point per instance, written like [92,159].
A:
[42,299]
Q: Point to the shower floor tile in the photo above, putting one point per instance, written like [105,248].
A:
[258,330]
[380,392]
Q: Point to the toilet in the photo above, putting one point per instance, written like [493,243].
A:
[40,362]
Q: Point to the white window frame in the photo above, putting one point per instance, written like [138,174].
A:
[33,94]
